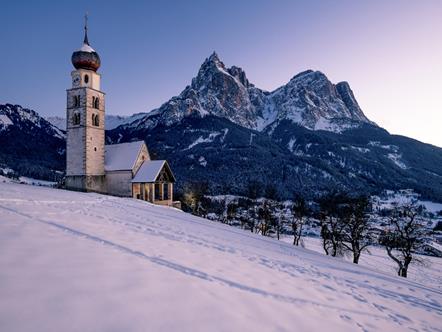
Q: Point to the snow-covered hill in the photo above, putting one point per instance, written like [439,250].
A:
[86,262]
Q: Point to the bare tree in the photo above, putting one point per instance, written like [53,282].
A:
[299,212]
[231,210]
[358,232]
[266,218]
[252,217]
[405,234]
[280,219]
[325,234]
[332,225]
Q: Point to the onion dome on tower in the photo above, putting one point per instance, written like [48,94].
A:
[86,57]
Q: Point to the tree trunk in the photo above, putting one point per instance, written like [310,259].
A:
[356,256]
[295,232]
[356,252]
[335,248]
[324,246]
[298,237]
[403,272]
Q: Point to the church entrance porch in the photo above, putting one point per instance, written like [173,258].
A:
[154,183]
[160,193]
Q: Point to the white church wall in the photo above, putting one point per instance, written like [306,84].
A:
[119,183]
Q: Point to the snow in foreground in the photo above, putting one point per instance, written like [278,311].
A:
[86,262]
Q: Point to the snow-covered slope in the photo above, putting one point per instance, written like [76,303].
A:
[86,262]
[26,119]
[57,121]
[113,121]
[30,145]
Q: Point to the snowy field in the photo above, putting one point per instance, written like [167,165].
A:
[86,262]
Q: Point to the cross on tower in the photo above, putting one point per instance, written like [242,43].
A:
[86,41]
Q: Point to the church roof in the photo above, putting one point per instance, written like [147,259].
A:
[150,170]
[121,157]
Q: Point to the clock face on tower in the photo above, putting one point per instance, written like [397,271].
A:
[76,81]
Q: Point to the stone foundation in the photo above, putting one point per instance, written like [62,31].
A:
[89,183]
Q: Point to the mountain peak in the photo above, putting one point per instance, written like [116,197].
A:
[310,99]
[214,57]
[309,75]
[213,61]
[303,73]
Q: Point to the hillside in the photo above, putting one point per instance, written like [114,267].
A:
[86,262]
[30,145]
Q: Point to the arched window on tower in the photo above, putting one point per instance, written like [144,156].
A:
[76,101]
[76,119]
[95,120]
[97,103]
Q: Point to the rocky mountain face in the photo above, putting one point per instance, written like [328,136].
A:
[309,99]
[29,144]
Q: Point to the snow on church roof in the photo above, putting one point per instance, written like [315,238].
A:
[150,170]
[121,157]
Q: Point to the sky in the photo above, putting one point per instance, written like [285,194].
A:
[389,51]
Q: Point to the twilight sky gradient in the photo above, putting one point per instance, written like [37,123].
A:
[389,51]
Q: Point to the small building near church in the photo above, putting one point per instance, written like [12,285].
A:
[154,183]
[124,169]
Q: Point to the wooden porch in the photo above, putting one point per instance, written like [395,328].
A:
[160,193]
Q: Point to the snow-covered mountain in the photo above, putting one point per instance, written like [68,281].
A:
[29,144]
[86,262]
[309,136]
[26,119]
[309,99]
[57,121]
[111,121]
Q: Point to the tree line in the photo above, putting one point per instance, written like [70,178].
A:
[348,224]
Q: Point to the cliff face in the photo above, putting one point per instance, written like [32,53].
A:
[309,99]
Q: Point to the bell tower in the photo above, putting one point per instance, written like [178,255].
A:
[85,122]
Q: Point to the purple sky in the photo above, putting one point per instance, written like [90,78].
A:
[389,51]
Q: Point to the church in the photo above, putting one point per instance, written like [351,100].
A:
[125,169]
